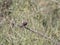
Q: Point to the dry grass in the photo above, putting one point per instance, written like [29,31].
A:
[42,16]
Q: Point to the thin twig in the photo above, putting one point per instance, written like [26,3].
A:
[41,34]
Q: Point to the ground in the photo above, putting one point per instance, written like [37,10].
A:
[42,17]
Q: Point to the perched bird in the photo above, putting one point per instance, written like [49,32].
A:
[23,24]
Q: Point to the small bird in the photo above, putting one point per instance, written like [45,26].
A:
[23,24]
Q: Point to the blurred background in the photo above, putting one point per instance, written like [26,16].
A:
[41,15]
